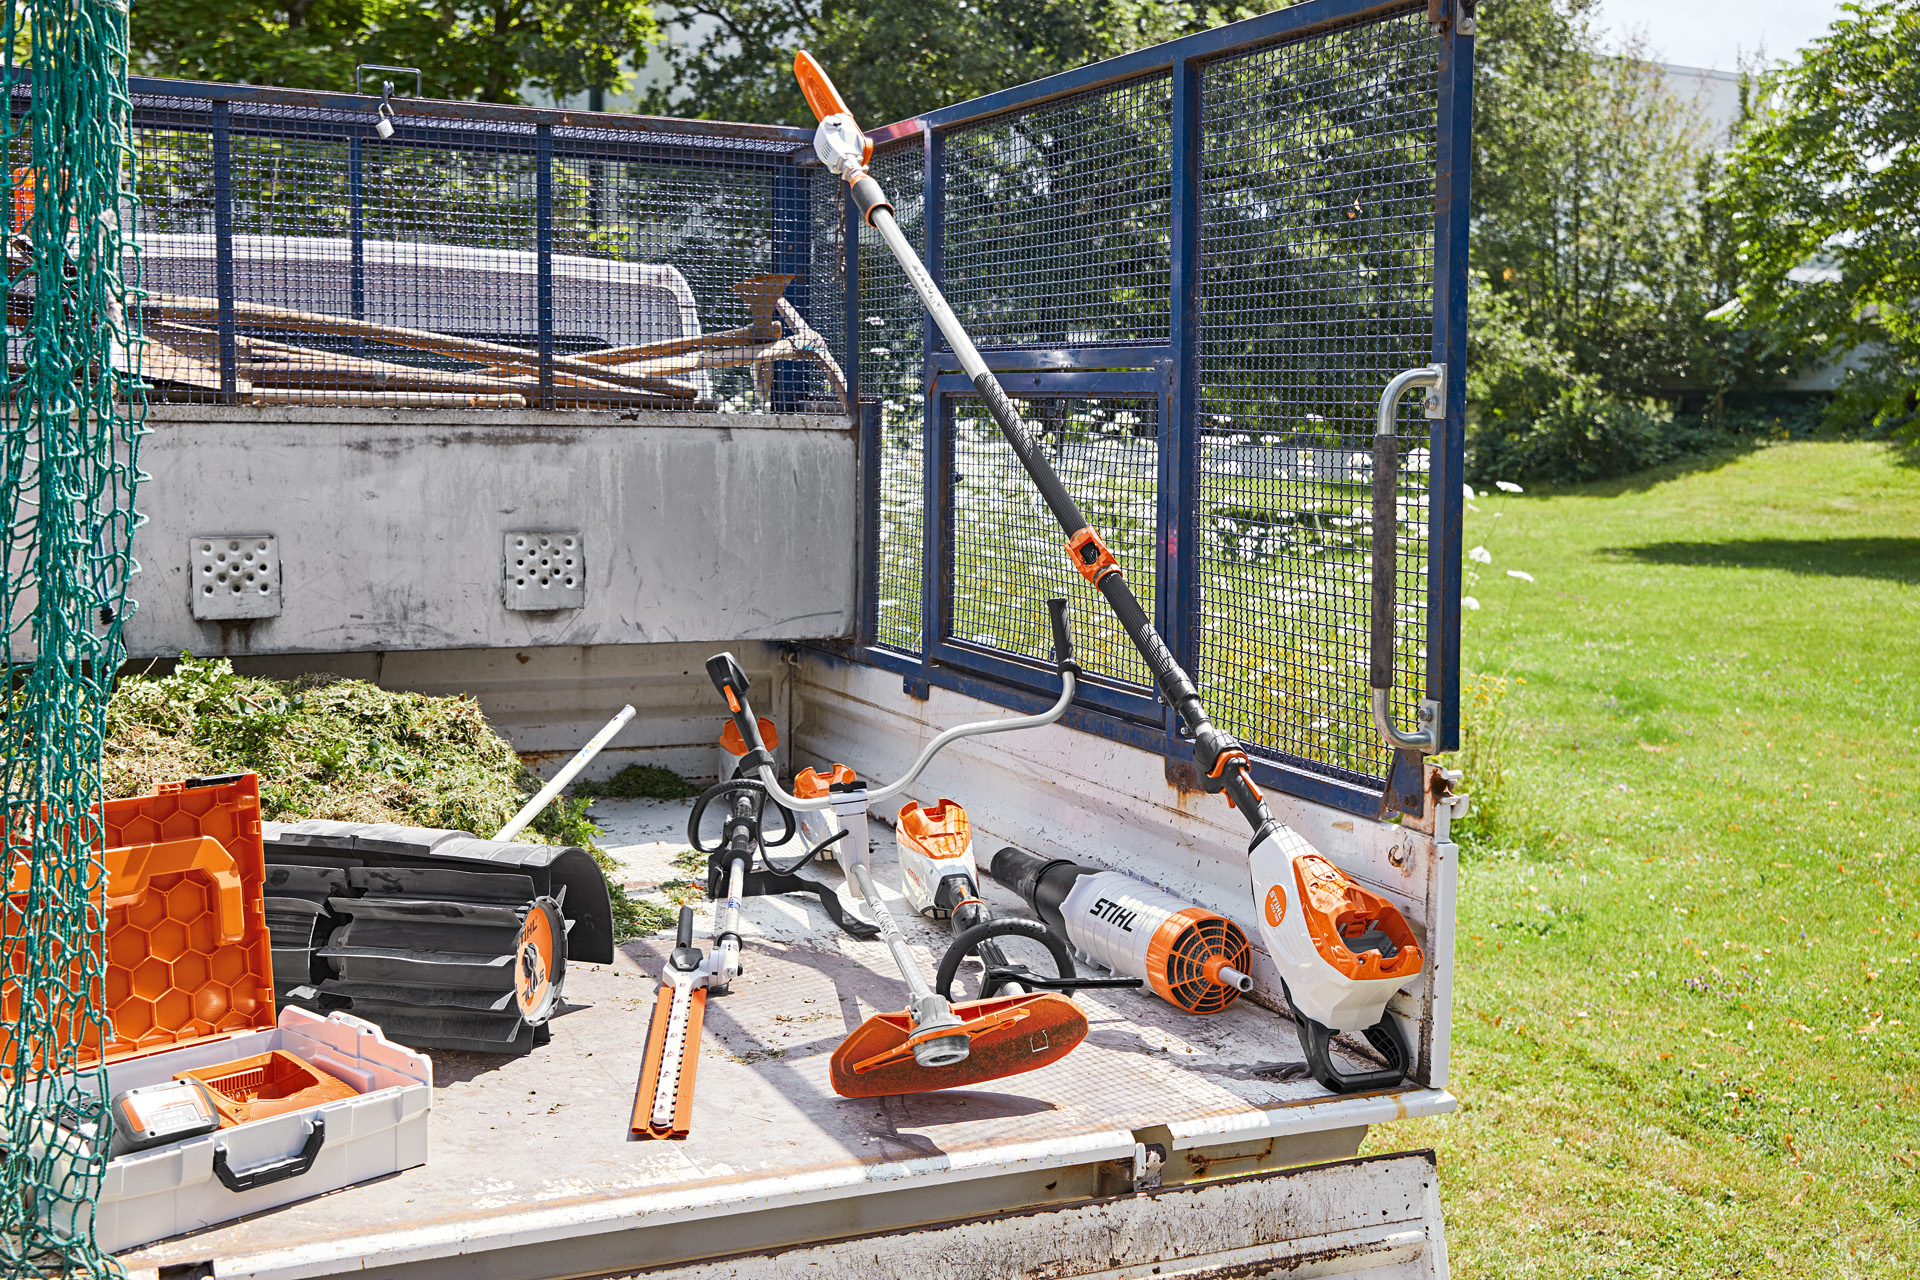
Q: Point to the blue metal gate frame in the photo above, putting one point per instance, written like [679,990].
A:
[1174,369]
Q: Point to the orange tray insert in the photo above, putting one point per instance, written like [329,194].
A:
[268,1084]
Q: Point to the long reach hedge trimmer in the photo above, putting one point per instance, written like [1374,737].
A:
[1341,951]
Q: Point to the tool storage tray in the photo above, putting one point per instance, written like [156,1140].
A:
[313,1104]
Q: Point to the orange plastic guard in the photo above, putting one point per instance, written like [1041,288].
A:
[734,744]
[1008,1035]
[821,95]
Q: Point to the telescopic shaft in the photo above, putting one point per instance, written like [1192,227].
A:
[1217,753]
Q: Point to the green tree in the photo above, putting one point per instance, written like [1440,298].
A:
[486,50]
[893,58]
[1587,212]
[1825,193]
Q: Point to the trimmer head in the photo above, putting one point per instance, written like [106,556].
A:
[1007,1035]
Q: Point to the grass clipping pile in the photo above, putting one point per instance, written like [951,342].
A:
[340,749]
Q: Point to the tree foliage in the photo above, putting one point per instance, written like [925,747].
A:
[894,58]
[1604,253]
[486,50]
[1825,193]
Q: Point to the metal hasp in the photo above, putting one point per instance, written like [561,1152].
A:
[1386,520]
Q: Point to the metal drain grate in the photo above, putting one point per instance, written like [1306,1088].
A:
[235,576]
[545,571]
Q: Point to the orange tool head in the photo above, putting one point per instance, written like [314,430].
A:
[821,95]
[650,1070]
[1006,1036]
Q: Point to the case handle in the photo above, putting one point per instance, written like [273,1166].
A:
[273,1171]
[1386,523]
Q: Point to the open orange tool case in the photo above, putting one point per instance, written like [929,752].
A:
[189,989]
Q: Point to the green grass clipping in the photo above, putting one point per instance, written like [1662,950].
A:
[344,750]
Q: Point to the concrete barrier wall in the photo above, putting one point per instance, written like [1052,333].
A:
[389,527]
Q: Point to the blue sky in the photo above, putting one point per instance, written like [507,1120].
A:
[1715,33]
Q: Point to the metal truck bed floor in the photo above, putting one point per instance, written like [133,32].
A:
[534,1150]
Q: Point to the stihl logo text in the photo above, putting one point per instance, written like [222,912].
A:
[1114,914]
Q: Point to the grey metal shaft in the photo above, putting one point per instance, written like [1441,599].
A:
[531,809]
[930,296]
[896,940]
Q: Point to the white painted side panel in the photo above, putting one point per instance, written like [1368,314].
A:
[391,524]
[1376,1218]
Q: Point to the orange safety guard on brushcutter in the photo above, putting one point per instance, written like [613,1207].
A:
[1336,908]
[1006,1036]
[682,1122]
[731,741]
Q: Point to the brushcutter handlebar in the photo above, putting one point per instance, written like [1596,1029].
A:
[1069,685]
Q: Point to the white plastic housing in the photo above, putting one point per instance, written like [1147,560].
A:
[921,874]
[1111,919]
[1320,991]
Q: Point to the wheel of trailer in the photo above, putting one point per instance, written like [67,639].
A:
[540,961]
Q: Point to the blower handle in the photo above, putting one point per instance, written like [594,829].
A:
[1062,638]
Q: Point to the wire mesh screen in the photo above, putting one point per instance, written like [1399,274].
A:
[1009,556]
[1057,221]
[1317,258]
[495,262]
[891,369]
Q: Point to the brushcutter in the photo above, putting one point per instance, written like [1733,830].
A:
[1332,948]
[934,1043]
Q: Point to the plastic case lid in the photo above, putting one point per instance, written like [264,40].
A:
[188,954]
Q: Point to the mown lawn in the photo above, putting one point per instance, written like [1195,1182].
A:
[1684,1036]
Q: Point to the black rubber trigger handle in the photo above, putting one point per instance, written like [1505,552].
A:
[1062,638]
[727,676]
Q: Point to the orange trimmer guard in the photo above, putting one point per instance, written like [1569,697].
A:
[1007,1035]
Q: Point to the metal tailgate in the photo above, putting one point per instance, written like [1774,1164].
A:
[1377,1217]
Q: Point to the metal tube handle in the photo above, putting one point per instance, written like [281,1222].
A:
[1386,564]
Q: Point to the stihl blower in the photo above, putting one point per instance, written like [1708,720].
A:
[934,1043]
[1324,933]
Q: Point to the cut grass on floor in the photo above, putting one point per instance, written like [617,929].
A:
[1683,1032]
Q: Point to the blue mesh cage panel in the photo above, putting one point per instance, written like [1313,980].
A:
[1317,228]
[1008,555]
[1058,221]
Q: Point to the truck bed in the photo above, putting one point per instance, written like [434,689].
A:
[532,1171]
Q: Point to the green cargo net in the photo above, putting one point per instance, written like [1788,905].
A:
[68,424]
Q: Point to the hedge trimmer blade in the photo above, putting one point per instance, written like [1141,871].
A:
[1006,1036]
[663,1107]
